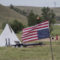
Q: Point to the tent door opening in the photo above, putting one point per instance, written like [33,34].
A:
[7,42]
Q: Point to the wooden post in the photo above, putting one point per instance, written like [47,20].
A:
[51,49]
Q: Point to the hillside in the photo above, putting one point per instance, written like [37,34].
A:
[7,14]
[37,10]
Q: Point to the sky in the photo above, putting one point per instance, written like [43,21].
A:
[38,3]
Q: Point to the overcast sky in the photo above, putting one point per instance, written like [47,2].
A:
[41,3]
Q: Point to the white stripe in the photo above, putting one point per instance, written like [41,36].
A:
[28,28]
[30,39]
[43,28]
[35,27]
[29,36]
[43,23]
[35,30]
[29,33]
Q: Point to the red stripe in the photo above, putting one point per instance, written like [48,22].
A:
[36,25]
[41,27]
[29,40]
[30,37]
[35,29]
[27,33]
[28,28]
[42,24]
[30,33]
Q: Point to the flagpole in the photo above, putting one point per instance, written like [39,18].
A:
[51,49]
[51,46]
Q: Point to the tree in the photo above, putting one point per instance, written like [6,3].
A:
[18,10]
[11,6]
[39,19]
[48,14]
[32,19]
[4,23]
[17,26]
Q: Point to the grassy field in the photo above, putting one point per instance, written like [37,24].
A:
[29,53]
[56,30]
[33,52]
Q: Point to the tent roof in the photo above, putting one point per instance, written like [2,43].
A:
[8,34]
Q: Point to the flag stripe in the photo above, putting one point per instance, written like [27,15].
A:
[31,33]
[29,40]
[30,37]
[40,27]
[29,28]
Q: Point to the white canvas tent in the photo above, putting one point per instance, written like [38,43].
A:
[8,37]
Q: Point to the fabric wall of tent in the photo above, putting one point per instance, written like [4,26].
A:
[8,37]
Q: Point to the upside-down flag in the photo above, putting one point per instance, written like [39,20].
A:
[36,32]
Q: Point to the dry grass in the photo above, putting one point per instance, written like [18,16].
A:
[37,10]
[8,15]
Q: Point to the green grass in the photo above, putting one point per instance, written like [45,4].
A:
[32,53]
[56,30]
[37,52]
[28,53]
[0,31]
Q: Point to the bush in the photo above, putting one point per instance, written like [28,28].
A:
[15,25]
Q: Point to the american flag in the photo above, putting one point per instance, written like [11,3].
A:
[36,32]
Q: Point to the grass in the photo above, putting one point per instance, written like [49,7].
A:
[0,31]
[32,53]
[8,15]
[37,10]
[28,53]
[56,30]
